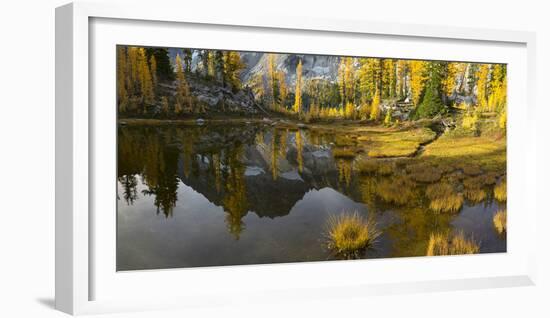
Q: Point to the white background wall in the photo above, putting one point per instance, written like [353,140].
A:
[27,157]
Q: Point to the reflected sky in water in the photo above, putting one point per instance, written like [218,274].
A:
[215,195]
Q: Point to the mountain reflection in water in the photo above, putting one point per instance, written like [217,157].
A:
[222,194]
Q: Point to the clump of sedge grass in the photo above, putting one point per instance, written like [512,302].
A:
[447,204]
[500,191]
[443,198]
[475,195]
[457,244]
[350,233]
[438,245]
[499,221]
[473,188]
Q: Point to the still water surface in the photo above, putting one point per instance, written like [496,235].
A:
[222,194]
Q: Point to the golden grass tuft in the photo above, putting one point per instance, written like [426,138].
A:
[350,233]
[458,244]
[438,245]
[462,245]
[500,191]
[475,195]
[499,221]
[443,198]
[447,204]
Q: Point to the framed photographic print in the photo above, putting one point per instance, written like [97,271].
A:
[206,156]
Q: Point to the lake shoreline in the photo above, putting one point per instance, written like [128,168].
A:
[353,126]
[237,120]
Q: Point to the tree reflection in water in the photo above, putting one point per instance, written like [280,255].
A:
[268,170]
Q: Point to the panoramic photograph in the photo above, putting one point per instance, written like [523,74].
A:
[241,158]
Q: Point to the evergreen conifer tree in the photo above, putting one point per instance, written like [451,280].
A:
[432,103]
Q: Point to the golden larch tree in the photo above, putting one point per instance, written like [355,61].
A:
[370,78]
[122,74]
[153,67]
[418,79]
[389,77]
[481,85]
[232,69]
[298,95]
[497,86]
[346,80]
[271,81]
[375,106]
[283,89]
[183,95]
[449,82]
[146,80]
[299,151]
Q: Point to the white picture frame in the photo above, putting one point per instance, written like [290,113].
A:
[85,280]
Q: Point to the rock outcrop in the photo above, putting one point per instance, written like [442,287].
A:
[218,98]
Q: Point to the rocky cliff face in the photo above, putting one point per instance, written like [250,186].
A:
[313,66]
[218,98]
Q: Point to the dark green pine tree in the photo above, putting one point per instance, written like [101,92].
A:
[471,80]
[219,65]
[432,103]
[165,71]
[187,58]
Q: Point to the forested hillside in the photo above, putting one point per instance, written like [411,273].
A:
[175,84]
